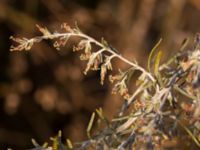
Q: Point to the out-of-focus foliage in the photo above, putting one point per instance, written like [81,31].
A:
[44,91]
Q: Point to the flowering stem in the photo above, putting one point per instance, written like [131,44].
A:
[116,55]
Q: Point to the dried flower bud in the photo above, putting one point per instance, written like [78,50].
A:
[103,73]
[61,42]
[23,44]
[66,27]
[44,31]
[122,89]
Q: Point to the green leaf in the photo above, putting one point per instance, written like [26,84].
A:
[45,145]
[69,144]
[156,68]
[174,57]
[104,42]
[181,91]
[157,62]
[90,124]
[184,44]
[151,54]
[100,113]
[102,116]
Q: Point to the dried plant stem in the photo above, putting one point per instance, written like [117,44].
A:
[92,40]
[115,54]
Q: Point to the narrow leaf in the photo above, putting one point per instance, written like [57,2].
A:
[184,44]
[100,112]
[190,134]
[35,143]
[45,145]
[69,144]
[151,54]
[90,124]
[104,42]
[157,62]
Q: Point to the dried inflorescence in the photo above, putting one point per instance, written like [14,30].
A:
[165,104]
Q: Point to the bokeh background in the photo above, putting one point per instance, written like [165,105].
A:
[44,90]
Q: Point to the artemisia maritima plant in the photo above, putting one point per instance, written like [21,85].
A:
[163,112]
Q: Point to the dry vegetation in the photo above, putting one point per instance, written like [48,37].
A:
[43,90]
[164,108]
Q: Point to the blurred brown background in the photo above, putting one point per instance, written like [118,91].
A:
[44,90]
